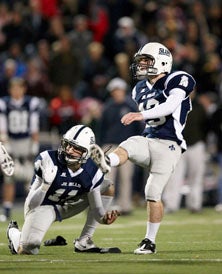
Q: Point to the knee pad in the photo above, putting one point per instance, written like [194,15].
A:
[152,192]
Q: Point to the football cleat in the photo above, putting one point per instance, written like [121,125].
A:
[6,162]
[83,245]
[145,247]
[86,245]
[99,157]
[12,224]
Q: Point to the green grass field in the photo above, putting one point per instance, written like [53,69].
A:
[186,243]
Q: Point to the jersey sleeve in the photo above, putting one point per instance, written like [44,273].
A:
[37,164]
[93,177]
[137,91]
[181,80]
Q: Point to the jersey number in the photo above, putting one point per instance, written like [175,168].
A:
[58,193]
[18,121]
[151,104]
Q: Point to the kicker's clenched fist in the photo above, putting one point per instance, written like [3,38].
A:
[130,117]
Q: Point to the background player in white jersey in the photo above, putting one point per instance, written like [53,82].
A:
[65,183]
[19,132]
[163,99]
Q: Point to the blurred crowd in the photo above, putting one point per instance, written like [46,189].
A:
[68,51]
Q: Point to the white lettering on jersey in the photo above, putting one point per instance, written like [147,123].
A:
[184,81]
[63,174]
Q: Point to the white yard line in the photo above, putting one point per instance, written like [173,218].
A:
[84,260]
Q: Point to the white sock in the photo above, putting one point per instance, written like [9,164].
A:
[14,235]
[114,159]
[91,224]
[151,231]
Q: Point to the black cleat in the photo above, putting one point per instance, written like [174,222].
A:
[145,247]
[12,224]
[86,245]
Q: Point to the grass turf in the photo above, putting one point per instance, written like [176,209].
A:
[186,243]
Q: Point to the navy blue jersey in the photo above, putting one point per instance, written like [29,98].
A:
[147,96]
[67,185]
[18,116]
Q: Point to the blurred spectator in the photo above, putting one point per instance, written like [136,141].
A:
[127,38]
[37,82]
[98,20]
[122,64]
[91,111]
[49,8]
[210,73]
[56,29]
[80,36]
[43,54]
[171,22]
[114,132]
[35,23]
[4,20]
[190,61]
[215,125]
[209,100]
[147,21]
[193,33]
[118,9]
[214,18]
[14,30]
[188,172]
[15,52]
[64,110]
[69,9]
[8,71]
[198,14]
[97,70]
[65,68]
